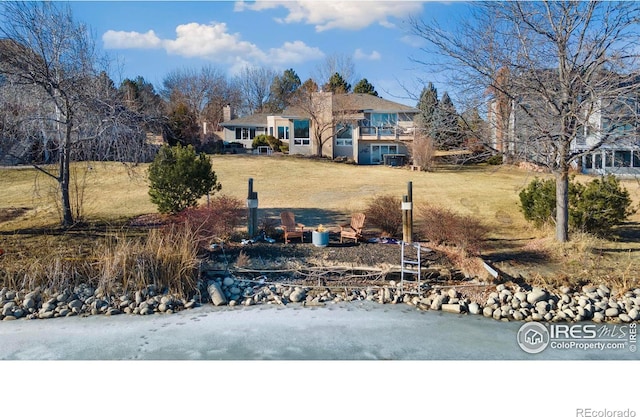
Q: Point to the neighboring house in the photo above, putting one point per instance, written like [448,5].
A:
[359,127]
[620,154]
[609,142]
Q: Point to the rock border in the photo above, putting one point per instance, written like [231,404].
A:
[507,303]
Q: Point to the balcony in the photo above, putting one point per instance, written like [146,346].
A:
[387,133]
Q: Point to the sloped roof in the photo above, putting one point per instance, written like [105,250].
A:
[351,102]
[360,102]
[257,119]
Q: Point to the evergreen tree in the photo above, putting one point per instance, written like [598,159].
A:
[427,105]
[365,87]
[178,177]
[445,124]
[337,84]
[182,126]
[282,90]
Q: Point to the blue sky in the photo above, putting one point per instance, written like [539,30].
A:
[152,38]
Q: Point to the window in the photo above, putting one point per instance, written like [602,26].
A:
[301,129]
[622,159]
[636,159]
[608,158]
[283,132]
[301,132]
[345,135]
[245,133]
[588,161]
[597,161]
[383,119]
[270,130]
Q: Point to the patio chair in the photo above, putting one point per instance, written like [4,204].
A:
[290,227]
[353,230]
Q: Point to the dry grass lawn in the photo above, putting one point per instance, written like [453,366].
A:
[320,191]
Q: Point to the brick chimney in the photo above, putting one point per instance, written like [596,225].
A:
[227,113]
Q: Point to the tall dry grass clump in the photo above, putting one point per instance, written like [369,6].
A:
[166,257]
[51,269]
[584,259]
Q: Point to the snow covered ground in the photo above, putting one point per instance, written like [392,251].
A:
[346,331]
[297,360]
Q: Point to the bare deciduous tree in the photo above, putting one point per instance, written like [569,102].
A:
[554,65]
[254,84]
[336,64]
[51,61]
[204,91]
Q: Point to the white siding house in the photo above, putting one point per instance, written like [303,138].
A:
[360,127]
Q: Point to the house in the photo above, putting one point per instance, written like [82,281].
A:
[619,152]
[358,127]
[608,141]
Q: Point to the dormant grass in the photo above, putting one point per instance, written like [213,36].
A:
[114,193]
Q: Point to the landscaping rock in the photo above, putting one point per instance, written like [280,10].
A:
[474,308]
[452,308]
[537,295]
[215,294]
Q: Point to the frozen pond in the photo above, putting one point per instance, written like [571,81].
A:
[346,331]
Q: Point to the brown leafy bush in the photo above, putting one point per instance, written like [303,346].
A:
[445,227]
[385,213]
[215,221]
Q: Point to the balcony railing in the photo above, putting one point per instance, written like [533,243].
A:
[387,132]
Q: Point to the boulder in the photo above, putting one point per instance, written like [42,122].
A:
[487,311]
[298,295]
[625,318]
[215,294]
[474,308]
[611,312]
[537,295]
[452,308]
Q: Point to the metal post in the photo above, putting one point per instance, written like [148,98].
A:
[252,204]
[407,215]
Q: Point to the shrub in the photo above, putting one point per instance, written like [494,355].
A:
[179,177]
[593,208]
[423,152]
[267,140]
[538,201]
[385,213]
[599,205]
[495,159]
[445,227]
[215,221]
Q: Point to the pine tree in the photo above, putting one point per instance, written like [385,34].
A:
[337,84]
[427,105]
[365,87]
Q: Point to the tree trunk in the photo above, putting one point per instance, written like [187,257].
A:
[64,177]
[562,204]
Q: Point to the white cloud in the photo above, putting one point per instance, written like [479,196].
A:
[373,56]
[133,40]
[213,41]
[326,15]
[210,41]
[294,52]
[413,40]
